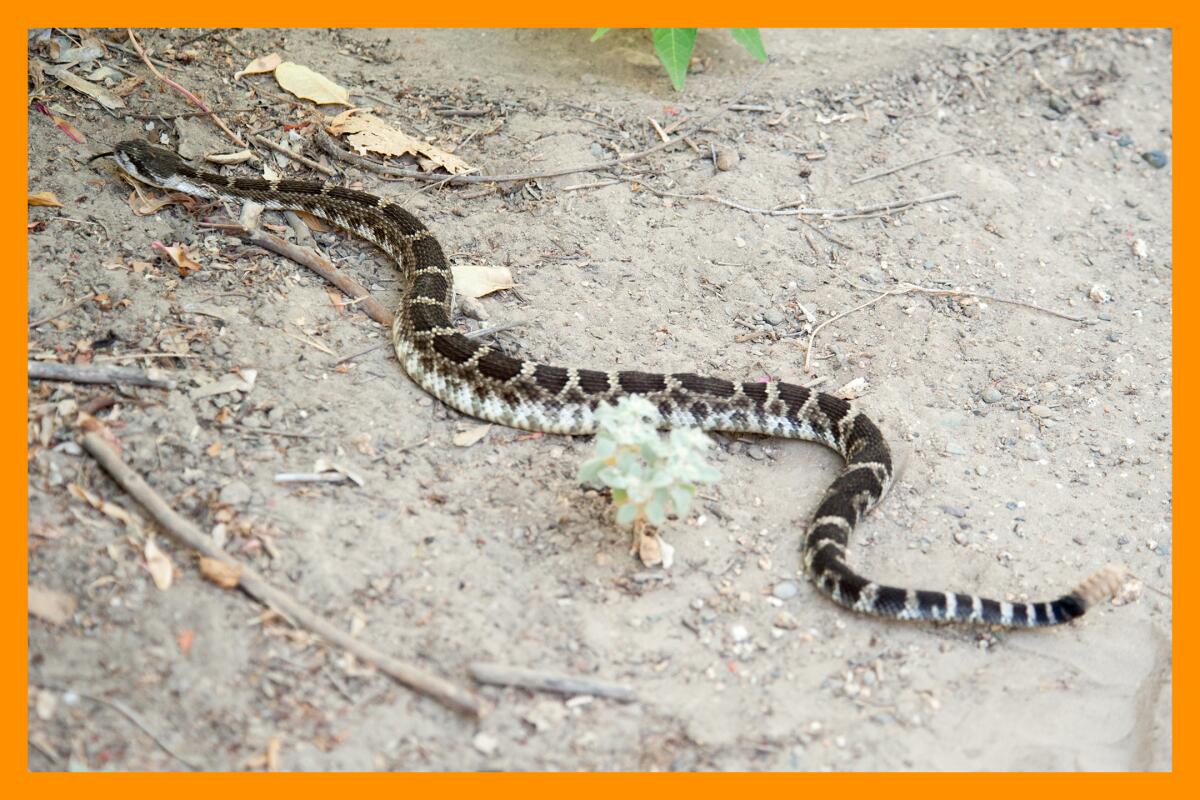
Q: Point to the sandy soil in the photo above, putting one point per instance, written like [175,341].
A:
[1036,448]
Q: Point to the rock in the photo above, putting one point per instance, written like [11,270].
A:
[727,159]
[955,449]
[786,621]
[774,317]
[1059,104]
[1039,410]
[485,743]
[235,493]
[955,511]
[1124,140]
[1155,158]
[991,395]
[739,633]
[785,590]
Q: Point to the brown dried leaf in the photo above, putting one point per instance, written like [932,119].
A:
[111,510]
[222,573]
[315,223]
[98,93]
[160,567]
[365,132]
[146,204]
[303,82]
[259,65]
[57,608]
[472,280]
[178,254]
[128,86]
[44,199]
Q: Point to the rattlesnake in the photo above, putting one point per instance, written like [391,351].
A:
[481,380]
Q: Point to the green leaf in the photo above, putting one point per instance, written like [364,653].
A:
[674,49]
[601,31]
[749,39]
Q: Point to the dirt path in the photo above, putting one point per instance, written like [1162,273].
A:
[1036,448]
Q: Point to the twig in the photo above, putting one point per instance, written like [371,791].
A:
[311,477]
[504,326]
[539,680]
[186,533]
[195,100]
[64,310]
[323,267]
[80,373]
[327,143]
[353,356]
[308,162]
[129,714]
[927,159]
[909,288]
[658,129]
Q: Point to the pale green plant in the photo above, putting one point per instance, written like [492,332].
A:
[651,476]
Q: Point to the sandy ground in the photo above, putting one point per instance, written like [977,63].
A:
[1035,448]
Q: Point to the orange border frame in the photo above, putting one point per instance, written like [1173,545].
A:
[772,13]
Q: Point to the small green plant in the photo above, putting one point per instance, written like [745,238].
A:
[674,48]
[651,476]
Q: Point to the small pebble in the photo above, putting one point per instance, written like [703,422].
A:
[991,395]
[727,159]
[756,452]
[1155,158]
[785,590]
[1039,410]
[1059,104]
[484,743]
[955,511]
[955,449]
[235,493]
[774,317]
[739,633]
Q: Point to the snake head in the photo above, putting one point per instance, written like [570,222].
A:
[149,164]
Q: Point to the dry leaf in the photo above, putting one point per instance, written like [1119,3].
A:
[159,565]
[57,608]
[238,157]
[103,506]
[471,280]
[222,573]
[145,205]
[471,435]
[178,254]
[366,132]
[259,65]
[303,82]
[63,125]
[44,199]
[241,381]
[127,86]
[98,93]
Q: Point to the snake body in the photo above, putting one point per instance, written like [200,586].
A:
[480,380]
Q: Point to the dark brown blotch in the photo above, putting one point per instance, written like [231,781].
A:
[715,387]
[428,253]
[425,317]
[757,392]
[456,347]
[641,382]
[497,366]
[432,285]
[833,407]
[593,381]
[552,379]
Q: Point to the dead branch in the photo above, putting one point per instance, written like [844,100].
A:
[187,534]
[91,373]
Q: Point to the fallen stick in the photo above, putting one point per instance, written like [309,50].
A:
[918,162]
[64,310]
[322,266]
[187,534]
[538,680]
[200,104]
[77,373]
